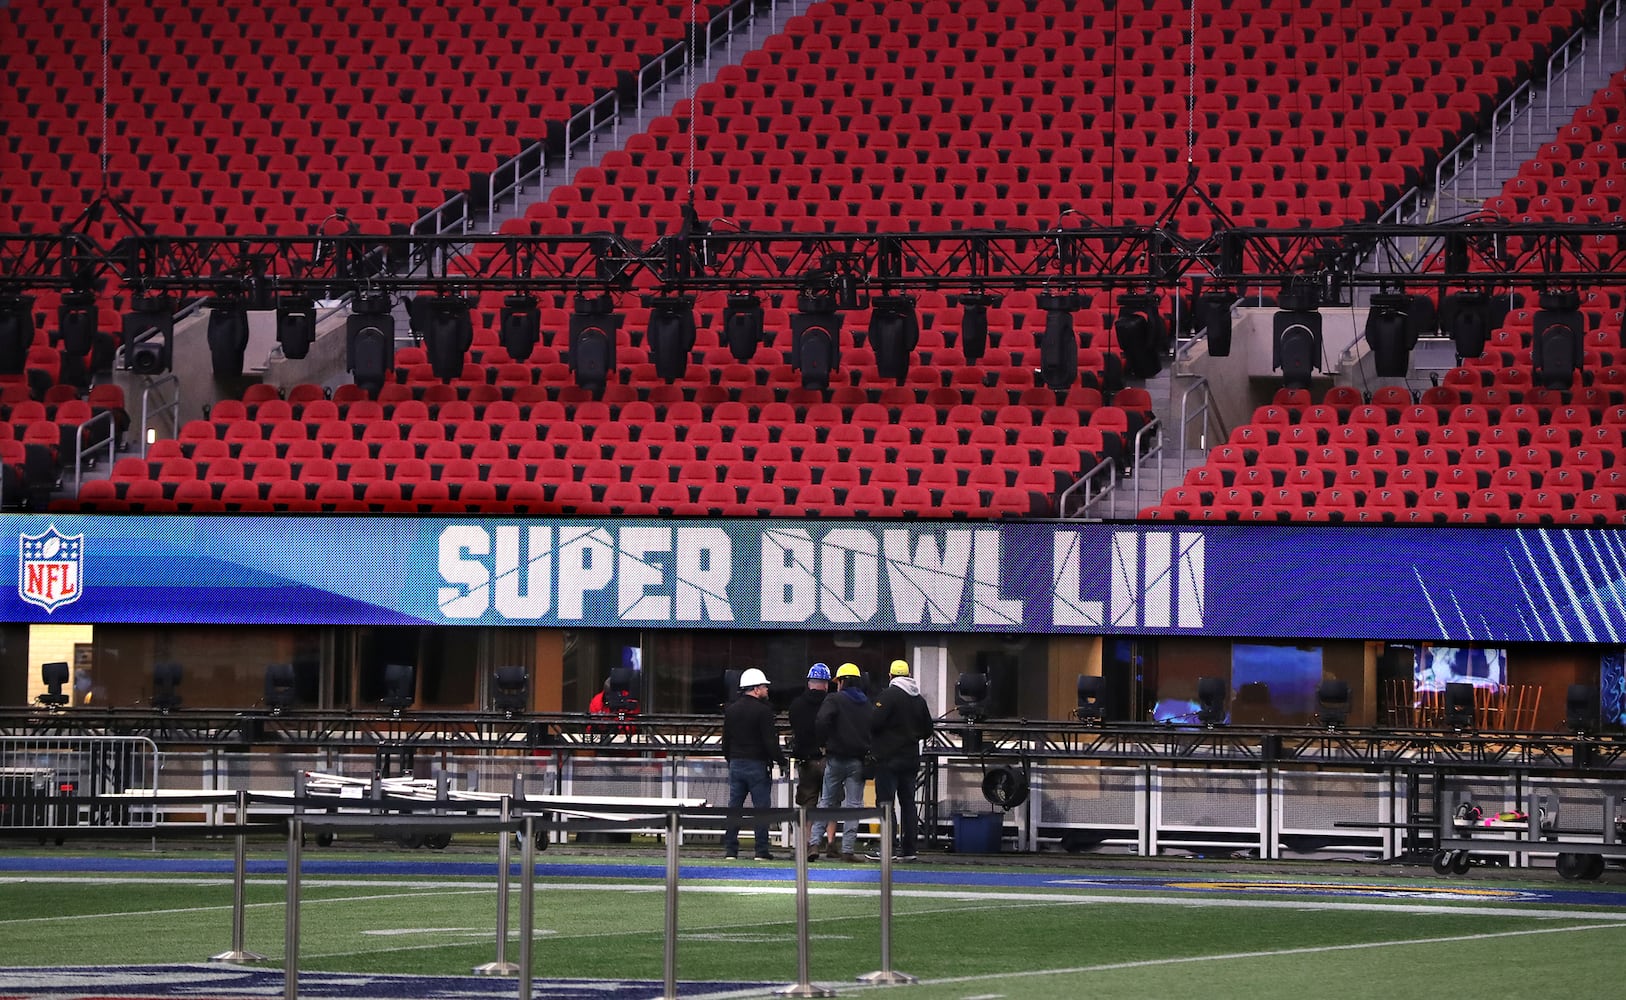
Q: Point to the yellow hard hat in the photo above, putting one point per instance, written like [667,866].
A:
[848,670]
[900,668]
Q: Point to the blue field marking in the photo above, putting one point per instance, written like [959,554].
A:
[1387,885]
[174,982]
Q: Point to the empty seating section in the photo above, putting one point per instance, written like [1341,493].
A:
[1580,175]
[926,115]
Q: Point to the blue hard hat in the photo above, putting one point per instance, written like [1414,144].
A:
[818,672]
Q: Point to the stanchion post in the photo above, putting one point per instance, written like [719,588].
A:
[674,830]
[527,905]
[239,878]
[803,986]
[290,934]
[502,966]
[885,976]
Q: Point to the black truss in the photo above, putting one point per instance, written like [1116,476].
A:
[1463,254]
[304,729]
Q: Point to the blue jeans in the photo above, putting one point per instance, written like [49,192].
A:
[843,785]
[895,778]
[747,777]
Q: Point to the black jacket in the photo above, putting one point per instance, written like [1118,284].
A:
[749,732]
[844,723]
[901,721]
[804,733]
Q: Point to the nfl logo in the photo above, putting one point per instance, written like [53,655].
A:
[51,568]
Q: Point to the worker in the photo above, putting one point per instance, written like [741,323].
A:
[843,726]
[902,719]
[751,747]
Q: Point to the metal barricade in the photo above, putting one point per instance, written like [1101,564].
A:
[43,781]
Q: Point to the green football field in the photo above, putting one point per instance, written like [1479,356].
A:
[1122,929]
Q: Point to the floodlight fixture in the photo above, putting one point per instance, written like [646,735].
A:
[671,335]
[1557,344]
[1091,689]
[974,323]
[370,341]
[1459,706]
[1058,344]
[1333,702]
[511,690]
[149,334]
[593,326]
[815,346]
[1465,317]
[1296,336]
[1140,334]
[1214,315]
[1388,336]
[519,325]
[1583,709]
[296,326]
[444,324]
[228,335]
[894,332]
[743,325]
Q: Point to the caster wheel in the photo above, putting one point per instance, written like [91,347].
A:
[1594,868]
[437,841]
[1459,864]
[1574,866]
[410,841]
[1442,862]
[324,840]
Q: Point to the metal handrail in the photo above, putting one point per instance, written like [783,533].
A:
[80,436]
[1107,467]
[1156,451]
[173,407]
[442,221]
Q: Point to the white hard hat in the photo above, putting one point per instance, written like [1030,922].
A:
[751,678]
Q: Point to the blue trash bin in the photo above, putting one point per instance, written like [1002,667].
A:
[978,833]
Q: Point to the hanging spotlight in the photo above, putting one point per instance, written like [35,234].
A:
[296,326]
[593,327]
[742,326]
[974,323]
[1466,318]
[519,326]
[671,335]
[511,690]
[1214,315]
[77,334]
[1211,695]
[894,330]
[1296,341]
[1058,345]
[400,686]
[369,344]
[16,332]
[1139,330]
[1556,347]
[444,325]
[815,344]
[1386,334]
[228,335]
[1582,708]
[149,334]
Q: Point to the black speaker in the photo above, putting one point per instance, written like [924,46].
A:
[1583,709]
[1459,705]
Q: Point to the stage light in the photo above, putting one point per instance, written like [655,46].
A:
[971,696]
[974,324]
[280,692]
[1058,344]
[1214,315]
[593,326]
[16,332]
[166,686]
[1091,688]
[370,341]
[1332,702]
[1296,340]
[815,344]
[1557,342]
[444,325]
[1459,706]
[1386,334]
[149,334]
[77,335]
[671,335]
[519,326]
[1465,317]
[228,335]
[1583,710]
[400,686]
[55,677]
[1139,330]
[296,327]
[620,694]
[511,691]
[1211,695]
[894,331]
[742,326]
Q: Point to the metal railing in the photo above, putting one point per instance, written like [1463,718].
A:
[82,444]
[1098,481]
[153,404]
[45,780]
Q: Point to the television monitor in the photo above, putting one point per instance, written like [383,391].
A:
[1612,687]
[1277,683]
[1439,665]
